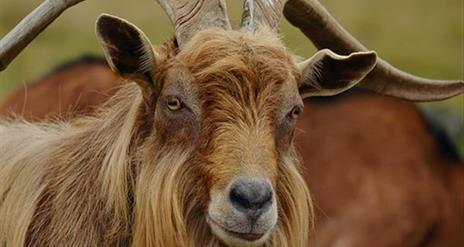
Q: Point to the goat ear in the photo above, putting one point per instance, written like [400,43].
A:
[327,74]
[127,50]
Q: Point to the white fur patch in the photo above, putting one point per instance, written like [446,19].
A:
[268,2]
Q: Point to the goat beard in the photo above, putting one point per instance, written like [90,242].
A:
[171,198]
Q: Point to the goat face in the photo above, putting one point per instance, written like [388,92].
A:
[249,100]
[237,104]
[229,100]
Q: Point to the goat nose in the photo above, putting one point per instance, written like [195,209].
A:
[251,196]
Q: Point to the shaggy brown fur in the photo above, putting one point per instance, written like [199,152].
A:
[412,198]
[135,175]
[378,176]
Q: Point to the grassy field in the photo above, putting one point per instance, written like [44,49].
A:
[425,37]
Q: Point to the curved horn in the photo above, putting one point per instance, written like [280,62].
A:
[190,16]
[31,26]
[259,13]
[325,32]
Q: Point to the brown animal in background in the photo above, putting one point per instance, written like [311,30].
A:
[378,176]
[70,90]
[196,151]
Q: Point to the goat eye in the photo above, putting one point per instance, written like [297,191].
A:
[174,104]
[294,113]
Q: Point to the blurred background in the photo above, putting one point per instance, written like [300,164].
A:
[424,37]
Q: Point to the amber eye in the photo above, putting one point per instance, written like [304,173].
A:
[294,113]
[174,104]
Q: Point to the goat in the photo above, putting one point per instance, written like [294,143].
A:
[338,90]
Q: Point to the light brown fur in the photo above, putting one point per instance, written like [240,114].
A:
[128,176]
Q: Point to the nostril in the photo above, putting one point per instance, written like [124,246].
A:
[251,197]
[238,197]
[267,198]
[261,200]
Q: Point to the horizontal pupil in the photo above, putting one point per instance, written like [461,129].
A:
[174,104]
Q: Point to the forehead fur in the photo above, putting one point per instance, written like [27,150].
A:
[254,54]
[239,71]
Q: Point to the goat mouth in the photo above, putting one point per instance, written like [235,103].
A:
[246,236]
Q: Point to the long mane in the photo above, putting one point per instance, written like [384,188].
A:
[70,179]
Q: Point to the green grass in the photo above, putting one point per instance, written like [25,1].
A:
[424,37]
